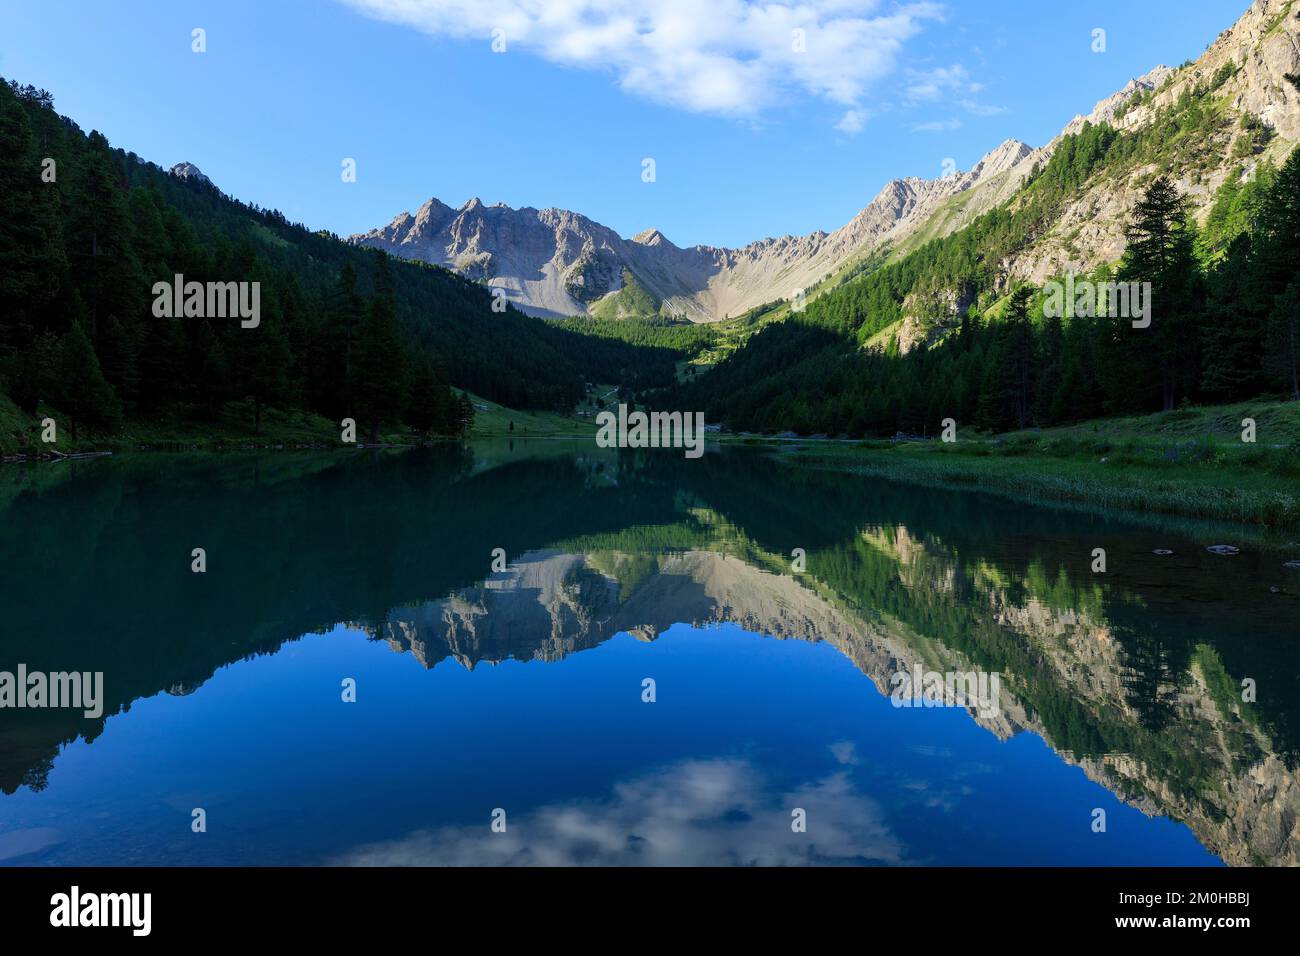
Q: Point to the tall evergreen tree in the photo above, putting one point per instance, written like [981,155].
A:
[1233,336]
[1283,361]
[1019,368]
[334,356]
[1277,273]
[100,239]
[431,406]
[79,388]
[1161,251]
[210,372]
[379,360]
[35,267]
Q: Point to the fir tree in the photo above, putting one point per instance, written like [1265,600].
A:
[379,359]
[79,388]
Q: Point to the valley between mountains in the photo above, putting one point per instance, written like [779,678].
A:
[928,314]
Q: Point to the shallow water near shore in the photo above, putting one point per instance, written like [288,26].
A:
[769,611]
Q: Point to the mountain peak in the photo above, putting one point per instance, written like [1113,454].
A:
[189,171]
[1108,109]
[651,237]
[999,160]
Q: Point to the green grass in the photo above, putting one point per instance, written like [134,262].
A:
[263,234]
[1222,688]
[493,420]
[20,434]
[882,339]
[632,300]
[14,426]
[731,335]
[948,216]
[1189,462]
[1276,23]
[1277,423]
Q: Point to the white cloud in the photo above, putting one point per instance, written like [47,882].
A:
[949,84]
[729,57]
[937,126]
[845,751]
[694,813]
[925,86]
[853,122]
[976,108]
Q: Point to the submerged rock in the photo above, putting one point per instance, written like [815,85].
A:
[1223,549]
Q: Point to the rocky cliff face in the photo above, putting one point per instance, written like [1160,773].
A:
[1251,60]
[553,262]
[1245,69]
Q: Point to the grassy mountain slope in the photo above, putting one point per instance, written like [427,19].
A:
[632,300]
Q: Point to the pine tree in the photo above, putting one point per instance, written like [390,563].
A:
[1161,251]
[100,240]
[210,371]
[31,241]
[1019,368]
[378,391]
[35,379]
[117,350]
[430,406]
[1283,357]
[79,389]
[1048,378]
[1233,337]
[333,359]
[162,352]
[1277,273]
[264,357]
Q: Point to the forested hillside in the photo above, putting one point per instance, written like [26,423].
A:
[86,230]
[1225,311]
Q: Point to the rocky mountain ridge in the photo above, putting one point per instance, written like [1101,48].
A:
[555,262]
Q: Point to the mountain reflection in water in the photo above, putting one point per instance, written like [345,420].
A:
[1133,676]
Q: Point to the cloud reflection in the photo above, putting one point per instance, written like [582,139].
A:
[720,812]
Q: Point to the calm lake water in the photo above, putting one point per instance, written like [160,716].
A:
[773,736]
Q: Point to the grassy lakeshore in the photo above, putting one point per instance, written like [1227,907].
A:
[492,419]
[232,427]
[1190,462]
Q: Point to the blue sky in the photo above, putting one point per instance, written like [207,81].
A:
[750,136]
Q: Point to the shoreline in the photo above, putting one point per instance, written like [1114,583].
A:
[1199,479]
[1220,493]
